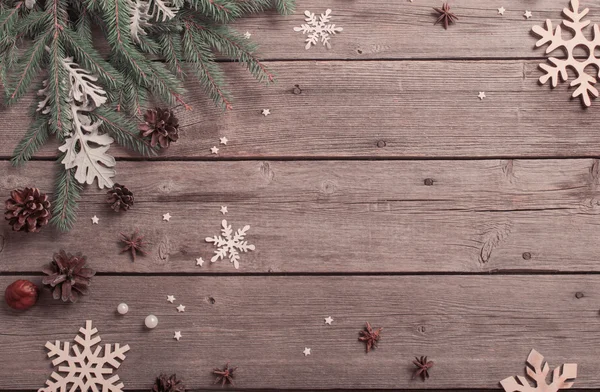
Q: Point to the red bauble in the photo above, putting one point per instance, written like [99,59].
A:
[21,294]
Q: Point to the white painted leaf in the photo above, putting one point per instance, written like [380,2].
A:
[83,88]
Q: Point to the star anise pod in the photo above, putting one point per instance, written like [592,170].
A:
[370,336]
[133,243]
[445,15]
[166,383]
[225,375]
[423,366]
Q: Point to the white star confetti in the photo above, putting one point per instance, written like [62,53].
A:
[247,35]
[501,10]
[167,217]
[181,308]
[95,220]
[481,95]
[266,112]
[329,320]
[224,210]
[527,14]
[318,28]
[230,244]
[223,140]
[306,351]
[177,335]
[199,262]
[214,150]
[170,298]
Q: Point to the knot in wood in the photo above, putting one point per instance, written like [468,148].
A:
[297,90]
[526,256]
[429,181]
[579,295]
[328,187]
[381,144]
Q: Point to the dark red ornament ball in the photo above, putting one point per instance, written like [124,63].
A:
[21,294]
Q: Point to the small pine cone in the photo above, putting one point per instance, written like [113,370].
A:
[166,383]
[27,210]
[119,197]
[67,276]
[161,126]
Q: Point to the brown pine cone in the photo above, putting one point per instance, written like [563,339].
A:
[119,197]
[27,210]
[166,383]
[161,126]
[67,276]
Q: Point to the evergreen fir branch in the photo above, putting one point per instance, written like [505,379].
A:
[9,17]
[123,130]
[32,141]
[171,51]
[285,7]
[131,98]
[66,196]
[28,68]
[34,21]
[219,10]
[58,92]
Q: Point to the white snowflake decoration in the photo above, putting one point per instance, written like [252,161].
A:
[318,28]
[229,245]
[584,82]
[84,368]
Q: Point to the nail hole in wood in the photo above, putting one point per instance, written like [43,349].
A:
[297,90]
[579,295]
[212,300]
[429,181]
[381,144]
[359,51]
[421,329]
[526,256]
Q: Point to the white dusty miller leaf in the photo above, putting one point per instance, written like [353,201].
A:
[84,365]
[316,29]
[82,85]
[584,82]
[229,244]
[162,10]
[43,104]
[29,4]
[537,370]
[139,19]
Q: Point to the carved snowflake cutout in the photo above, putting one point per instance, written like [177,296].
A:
[584,82]
[538,369]
[318,28]
[230,245]
[84,368]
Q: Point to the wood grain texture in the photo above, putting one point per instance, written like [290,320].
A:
[378,109]
[334,216]
[478,329]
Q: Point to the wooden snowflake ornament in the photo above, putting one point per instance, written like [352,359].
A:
[230,244]
[83,368]
[584,82]
[537,370]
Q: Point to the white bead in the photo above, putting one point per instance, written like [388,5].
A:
[123,308]
[151,321]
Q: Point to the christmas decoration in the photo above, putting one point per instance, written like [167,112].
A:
[445,16]
[306,351]
[527,14]
[199,261]
[167,217]
[166,383]
[119,197]
[481,95]
[214,150]
[501,11]
[563,376]
[229,245]
[423,366]
[225,375]
[88,99]
[21,294]
[95,220]
[170,298]
[177,335]
[318,29]
[181,308]
[329,320]
[134,244]
[370,336]
[266,112]
[161,127]
[84,365]
[27,210]
[122,308]
[584,82]
[67,276]
[151,321]
[247,35]
[224,210]
[223,140]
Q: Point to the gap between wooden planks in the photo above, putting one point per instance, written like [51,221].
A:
[478,329]
[332,216]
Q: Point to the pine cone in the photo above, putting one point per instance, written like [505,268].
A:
[67,276]
[119,197]
[161,126]
[166,383]
[27,210]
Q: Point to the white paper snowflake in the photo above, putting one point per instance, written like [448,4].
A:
[229,245]
[584,82]
[83,366]
[318,28]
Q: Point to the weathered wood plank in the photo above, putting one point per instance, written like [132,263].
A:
[379,109]
[334,216]
[478,329]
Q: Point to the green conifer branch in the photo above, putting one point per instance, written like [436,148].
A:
[66,196]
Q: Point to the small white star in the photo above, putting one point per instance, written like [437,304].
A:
[223,140]
[266,112]
[527,14]
[501,10]
[170,298]
[306,351]
[166,217]
[481,95]
[199,261]
[247,35]
[224,210]
[177,335]
[329,320]
[95,220]
[181,308]
[214,150]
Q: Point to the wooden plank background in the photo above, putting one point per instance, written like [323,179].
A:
[380,189]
